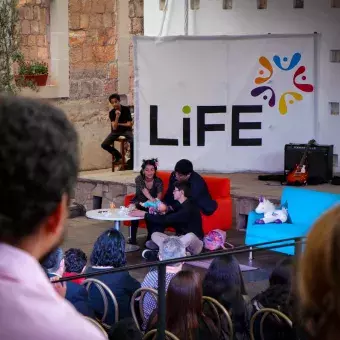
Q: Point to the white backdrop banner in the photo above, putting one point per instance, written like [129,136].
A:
[226,103]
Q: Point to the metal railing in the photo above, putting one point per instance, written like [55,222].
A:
[296,242]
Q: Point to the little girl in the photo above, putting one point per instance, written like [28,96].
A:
[149,187]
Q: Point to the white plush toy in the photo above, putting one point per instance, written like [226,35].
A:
[271,214]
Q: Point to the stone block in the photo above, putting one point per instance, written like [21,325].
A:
[34,27]
[21,12]
[41,40]
[38,2]
[74,21]
[22,2]
[86,6]
[31,40]
[98,87]
[84,21]
[111,36]
[26,52]
[43,53]
[110,87]
[86,88]
[137,26]
[130,189]
[76,54]
[33,52]
[98,190]
[42,27]
[87,53]
[104,53]
[74,89]
[96,21]
[28,12]
[83,194]
[113,71]
[76,38]
[25,27]
[98,6]
[74,6]
[107,19]
[23,40]
[110,6]
[36,13]
[136,9]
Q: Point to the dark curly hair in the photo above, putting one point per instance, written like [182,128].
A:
[109,250]
[75,260]
[145,162]
[38,164]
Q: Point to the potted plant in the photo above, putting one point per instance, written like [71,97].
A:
[32,72]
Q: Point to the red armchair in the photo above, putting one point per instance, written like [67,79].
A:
[219,189]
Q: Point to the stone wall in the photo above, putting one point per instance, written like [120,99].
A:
[136,16]
[35,20]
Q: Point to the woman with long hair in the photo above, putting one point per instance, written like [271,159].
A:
[109,252]
[184,309]
[149,187]
[224,283]
[319,279]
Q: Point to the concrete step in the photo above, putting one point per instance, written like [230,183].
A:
[76,210]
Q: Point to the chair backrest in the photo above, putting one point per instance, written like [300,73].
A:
[142,291]
[152,335]
[306,206]
[165,177]
[266,312]
[104,291]
[98,325]
[220,311]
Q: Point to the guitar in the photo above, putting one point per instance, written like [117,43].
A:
[299,175]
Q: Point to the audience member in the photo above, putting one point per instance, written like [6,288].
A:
[184,309]
[224,283]
[279,296]
[109,252]
[38,170]
[171,248]
[125,329]
[149,187]
[318,279]
[199,190]
[185,219]
[54,266]
[75,263]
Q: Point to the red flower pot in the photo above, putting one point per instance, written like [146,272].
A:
[38,79]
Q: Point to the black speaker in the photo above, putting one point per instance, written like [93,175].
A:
[319,158]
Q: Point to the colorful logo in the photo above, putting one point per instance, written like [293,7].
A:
[266,73]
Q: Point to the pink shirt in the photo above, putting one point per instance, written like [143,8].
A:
[30,308]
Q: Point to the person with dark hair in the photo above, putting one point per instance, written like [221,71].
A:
[75,263]
[54,266]
[186,220]
[223,282]
[149,187]
[38,171]
[279,296]
[184,309]
[109,252]
[121,125]
[199,190]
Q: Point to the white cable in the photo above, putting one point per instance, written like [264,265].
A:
[164,17]
[186,17]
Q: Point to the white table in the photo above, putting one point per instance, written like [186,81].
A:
[115,216]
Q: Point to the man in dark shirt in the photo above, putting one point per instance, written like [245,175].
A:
[199,190]
[185,218]
[121,125]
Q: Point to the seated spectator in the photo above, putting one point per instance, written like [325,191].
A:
[186,219]
[125,329]
[184,309]
[109,252]
[318,279]
[38,171]
[171,248]
[279,296]
[54,266]
[75,263]
[224,283]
